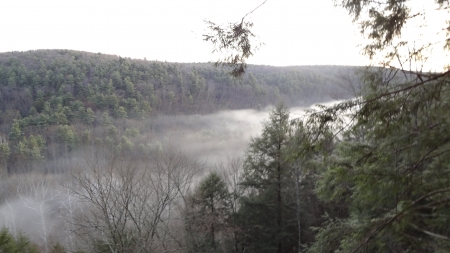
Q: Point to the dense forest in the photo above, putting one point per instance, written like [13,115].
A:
[107,154]
[53,100]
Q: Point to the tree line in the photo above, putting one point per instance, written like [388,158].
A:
[364,175]
[52,101]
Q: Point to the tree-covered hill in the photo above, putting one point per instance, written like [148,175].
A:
[52,101]
[106,82]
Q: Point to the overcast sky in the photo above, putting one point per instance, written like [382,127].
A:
[295,32]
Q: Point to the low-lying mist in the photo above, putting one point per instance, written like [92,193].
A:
[34,203]
[214,137]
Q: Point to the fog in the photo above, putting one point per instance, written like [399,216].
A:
[214,137]
[33,203]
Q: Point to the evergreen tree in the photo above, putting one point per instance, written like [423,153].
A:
[5,152]
[267,212]
[391,167]
[208,214]
[15,244]
[31,150]
[66,136]
[88,116]
[16,132]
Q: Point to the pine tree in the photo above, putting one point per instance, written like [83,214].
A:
[16,133]
[391,167]
[5,152]
[268,210]
[15,244]
[207,218]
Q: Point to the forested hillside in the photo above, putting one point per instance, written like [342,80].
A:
[77,126]
[106,82]
[52,100]
[106,154]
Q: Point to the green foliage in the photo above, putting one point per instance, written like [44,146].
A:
[15,244]
[65,134]
[120,112]
[125,143]
[106,119]
[57,248]
[104,83]
[384,23]
[266,210]
[234,40]
[62,89]
[5,151]
[391,167]
[16,133]
[32,111]
[131,132]
[88,116]
[207,218]
[212,194]
[32,147]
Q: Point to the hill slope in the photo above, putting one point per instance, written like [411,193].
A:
[52,101]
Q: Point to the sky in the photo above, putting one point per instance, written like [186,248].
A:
[294,32]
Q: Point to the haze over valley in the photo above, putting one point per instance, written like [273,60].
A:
[63,108]
[126,138]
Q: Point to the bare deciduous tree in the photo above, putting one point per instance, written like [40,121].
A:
[130,205]
[40,193]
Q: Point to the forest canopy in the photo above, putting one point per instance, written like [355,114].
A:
[379,159]
[370,173]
